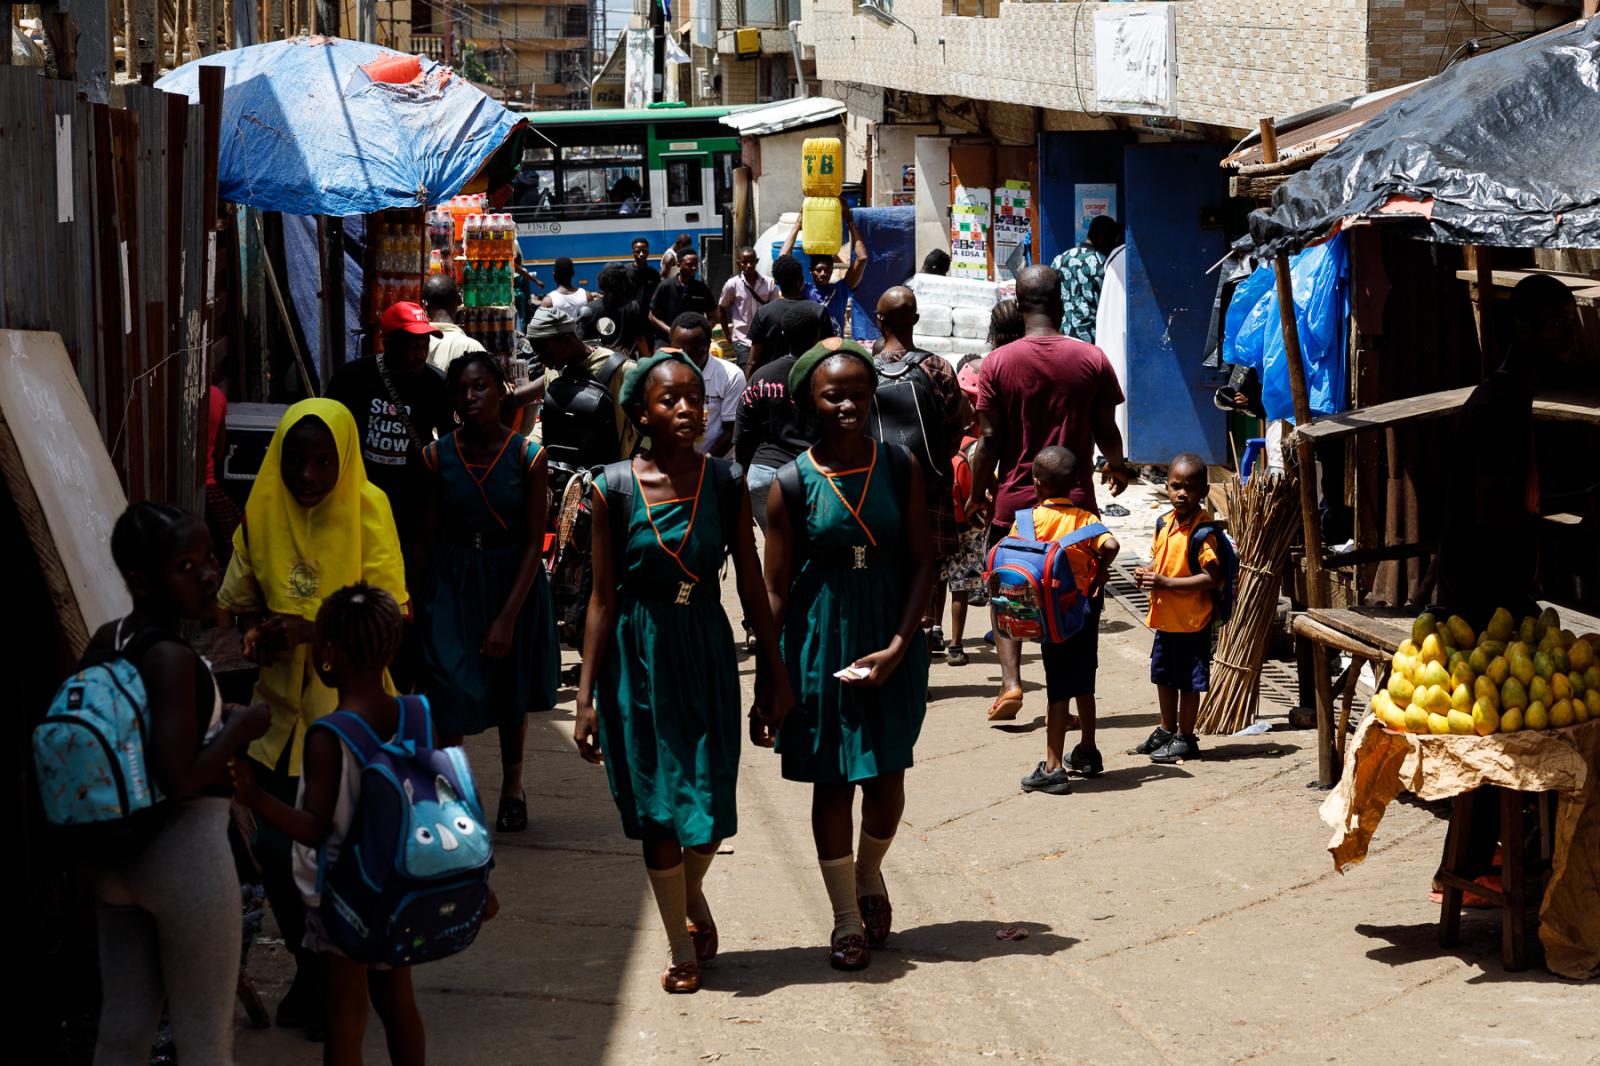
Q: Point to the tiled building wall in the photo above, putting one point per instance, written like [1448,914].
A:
[1412,39]
[1237,59]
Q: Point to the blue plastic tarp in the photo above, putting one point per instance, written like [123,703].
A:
[307,129]
[1253,334]
[891,239]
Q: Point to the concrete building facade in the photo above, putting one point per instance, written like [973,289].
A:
[534,52]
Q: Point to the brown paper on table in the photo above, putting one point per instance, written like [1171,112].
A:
[1380,764]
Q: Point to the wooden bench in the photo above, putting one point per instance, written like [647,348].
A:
[1366,634]
[1518,870]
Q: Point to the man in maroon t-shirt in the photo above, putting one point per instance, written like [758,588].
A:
[1045,389]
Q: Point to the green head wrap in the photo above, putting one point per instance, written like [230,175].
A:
[633,381]
[806,365]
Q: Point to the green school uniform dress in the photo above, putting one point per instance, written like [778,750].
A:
[482,526]
[667,695]
[850,587]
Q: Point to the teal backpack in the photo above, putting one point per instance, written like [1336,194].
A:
[90,754]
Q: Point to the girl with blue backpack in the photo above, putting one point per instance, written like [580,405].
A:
[849,568]
[356,918]
[168,896]
[658,697]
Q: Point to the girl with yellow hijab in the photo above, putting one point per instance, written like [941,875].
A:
[312,525]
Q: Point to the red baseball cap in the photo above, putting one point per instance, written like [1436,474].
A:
[407,317]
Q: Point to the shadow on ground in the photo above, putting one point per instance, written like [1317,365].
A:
[758,972]
[1478,945]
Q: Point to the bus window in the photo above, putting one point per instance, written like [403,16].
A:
[722,165]
[684,185]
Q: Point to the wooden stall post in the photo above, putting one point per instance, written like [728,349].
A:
[1481,290]
[1306,459]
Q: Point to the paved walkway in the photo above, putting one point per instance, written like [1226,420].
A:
[1182,914]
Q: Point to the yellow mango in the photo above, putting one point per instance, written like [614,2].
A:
[1498,670]
[1438,725]
[1591,676]
[1539,692]
[1460,722]
[1502,625]
[1528,631]
[1485,719]
[1512,694]
[1416,720]
[1581,655]
[1432,650]
[1422,628]
[1462,674]
[1433,673]
[1400,689]
[1485,689]
[1461,698]
[1580,712]
[1521,667]
[1478,661]
[1537,716]
[1591,700]
[1407,647]
[1437,700]
[1561,714]
[1406,667]
[1461,634]
[1511,721]
[1560,687]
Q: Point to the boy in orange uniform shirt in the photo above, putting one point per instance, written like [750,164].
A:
[1069,667]
[1180,613]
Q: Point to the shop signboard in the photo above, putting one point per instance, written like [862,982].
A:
[1013,221]
[969,233]
[1090,201]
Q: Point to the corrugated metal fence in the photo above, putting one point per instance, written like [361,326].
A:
[110,239]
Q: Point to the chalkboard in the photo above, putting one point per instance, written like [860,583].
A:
[61,477]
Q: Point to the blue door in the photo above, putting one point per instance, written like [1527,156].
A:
[1175,195]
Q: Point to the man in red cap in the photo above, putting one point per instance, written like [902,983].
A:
[400,403]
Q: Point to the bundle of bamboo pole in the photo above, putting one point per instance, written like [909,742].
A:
[1263,514]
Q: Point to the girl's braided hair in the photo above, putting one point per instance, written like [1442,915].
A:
[364,622]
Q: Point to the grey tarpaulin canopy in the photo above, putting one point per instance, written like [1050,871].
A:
[1500,150]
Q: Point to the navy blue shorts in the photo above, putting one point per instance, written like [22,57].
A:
[1069,666]
[1182,661]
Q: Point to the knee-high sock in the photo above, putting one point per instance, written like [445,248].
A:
[869,862]
[695,866]
[839,875]
[668,886]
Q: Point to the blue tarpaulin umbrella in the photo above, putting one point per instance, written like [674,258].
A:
[324,126]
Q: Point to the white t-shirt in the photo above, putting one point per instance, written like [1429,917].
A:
[724,386]
[454,343]
[303,860]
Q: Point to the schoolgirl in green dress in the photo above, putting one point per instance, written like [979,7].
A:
[658,697]
[489,633]
[849,565]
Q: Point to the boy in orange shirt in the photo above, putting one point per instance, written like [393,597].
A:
[1070,665]
[1180,614]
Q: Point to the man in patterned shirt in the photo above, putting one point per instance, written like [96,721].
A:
[1082,271]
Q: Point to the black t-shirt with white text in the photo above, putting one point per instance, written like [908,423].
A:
[392,458]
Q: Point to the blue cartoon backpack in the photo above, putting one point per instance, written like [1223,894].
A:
[1031,585]
[1227,565]
[89,753]
[411,880]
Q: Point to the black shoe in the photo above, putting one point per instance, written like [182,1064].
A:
[936,639]
[1183,746]
[512,816]
[1157,739]
[1086,762]
[1051,782]
[955,655]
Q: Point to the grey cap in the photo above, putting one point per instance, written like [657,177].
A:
[550,322]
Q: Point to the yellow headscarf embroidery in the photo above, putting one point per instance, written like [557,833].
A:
[300,555]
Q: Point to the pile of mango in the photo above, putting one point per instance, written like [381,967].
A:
[1447,679]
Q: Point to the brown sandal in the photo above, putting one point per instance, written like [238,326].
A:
[849,952]
[705,941]
[877,915]
[1006,706]
[681,977]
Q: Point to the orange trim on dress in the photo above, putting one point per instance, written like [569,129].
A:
[693,513]
[855,512]
[478,481]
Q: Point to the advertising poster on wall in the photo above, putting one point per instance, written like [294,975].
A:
[969,233]
[1013,221]
[1092,200]
[640,68]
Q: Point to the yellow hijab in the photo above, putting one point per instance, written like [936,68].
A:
[299,554]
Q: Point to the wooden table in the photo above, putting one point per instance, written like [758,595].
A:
[1549,407]
[1366,634]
